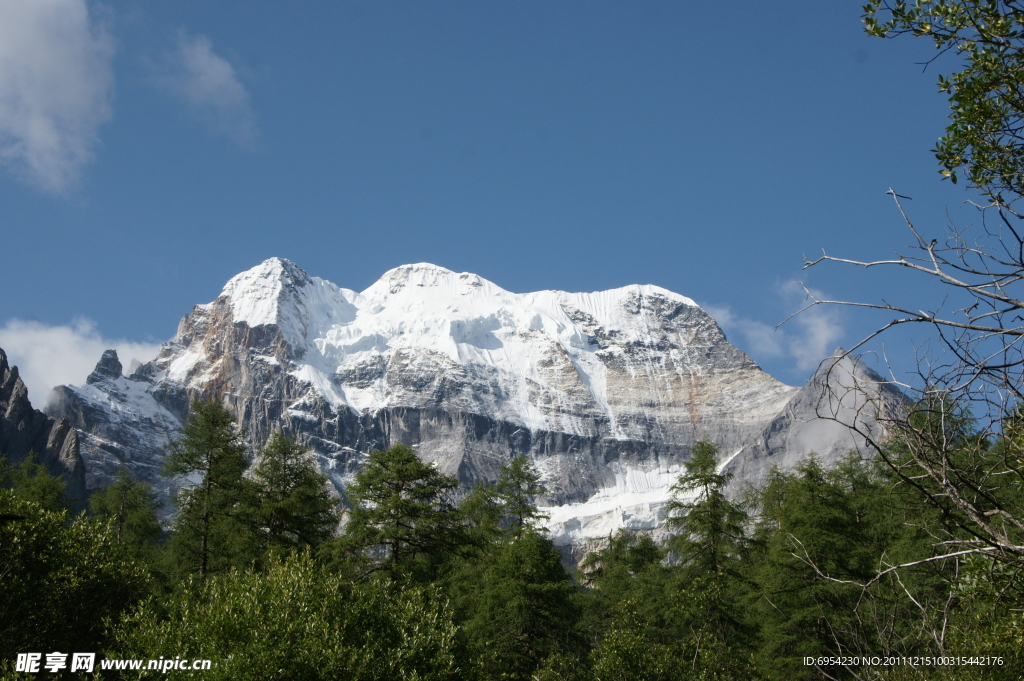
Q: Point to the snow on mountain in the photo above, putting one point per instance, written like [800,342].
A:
[605,391]
[428,309]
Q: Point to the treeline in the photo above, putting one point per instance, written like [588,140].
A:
[260,574]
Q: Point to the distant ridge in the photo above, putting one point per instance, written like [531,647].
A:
[25,430]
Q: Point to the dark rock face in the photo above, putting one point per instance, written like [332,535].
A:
[108,367]
[116,425]
[25,430]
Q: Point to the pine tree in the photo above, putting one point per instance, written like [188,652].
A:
[403,520]
[822,533]
[518,607]
[208,533]
[711,527]
[688,619]
[290,505]
[518,484]
[629,568]
[520,612]
[130,507]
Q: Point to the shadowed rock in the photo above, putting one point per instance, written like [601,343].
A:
[24,430]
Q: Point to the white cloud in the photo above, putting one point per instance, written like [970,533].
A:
[762,340]
[56,82]
[210,84]
[48,356]
[806,339]
[817,335]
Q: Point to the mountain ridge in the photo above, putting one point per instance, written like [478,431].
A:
[605,391]
[25,430]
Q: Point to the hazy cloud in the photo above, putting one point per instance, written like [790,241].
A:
[56,83]
[762,340]
[48,356]
[806,339]
[210,85]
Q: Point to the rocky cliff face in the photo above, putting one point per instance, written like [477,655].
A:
[844,402]
[605,391]
[24,430]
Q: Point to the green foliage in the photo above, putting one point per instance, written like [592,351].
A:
[289,505]
[711,527]
[483,516]
[493,510]
[627,555]
[807,529]
[59,579]
[209,533]
[518,607]
[685,620]
[129,506]
[518,484]
[296,621]
[628,569]
[683,640]
[30,481]
[403,520]
[973,481]
[823,538]
[986,98]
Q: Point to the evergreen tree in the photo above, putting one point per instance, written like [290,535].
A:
[627,555]
[822,536]
[711,527]
[519,611]
[403,520]
[492,510]
[290,505]
[31,481]
[629,568]
[683,620]
[483,516]
[518,607]
[130,507]
[518,484]
[675,634]
[208,532]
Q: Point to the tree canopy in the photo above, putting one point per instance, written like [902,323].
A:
[403,518]
[985,137]
[209,535]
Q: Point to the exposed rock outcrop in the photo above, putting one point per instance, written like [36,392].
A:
[25,430]
[843,403]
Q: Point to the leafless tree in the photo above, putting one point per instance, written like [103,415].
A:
[958,442]
[978,370]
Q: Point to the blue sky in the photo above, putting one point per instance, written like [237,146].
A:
[150,150]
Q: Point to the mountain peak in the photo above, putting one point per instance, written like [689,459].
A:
[270,270]
[257,294]
[425,275]
[108,367]
[606,391]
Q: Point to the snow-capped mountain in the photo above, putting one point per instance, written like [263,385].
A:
[605,391]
